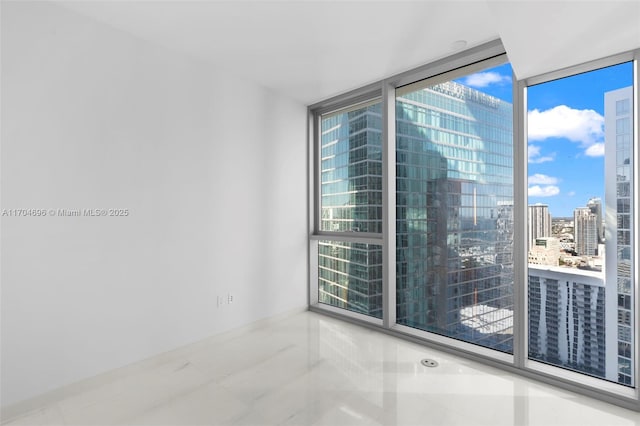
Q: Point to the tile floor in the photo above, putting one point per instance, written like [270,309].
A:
[310,369]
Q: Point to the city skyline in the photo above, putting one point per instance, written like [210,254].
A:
[565,132]
[454,221]
[581,320]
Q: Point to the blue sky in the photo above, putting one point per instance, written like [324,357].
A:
[566,132]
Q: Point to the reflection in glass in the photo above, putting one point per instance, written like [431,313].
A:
[350,276]
[454,195]
[351,171]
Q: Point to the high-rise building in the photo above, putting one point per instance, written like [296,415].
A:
[567,318]
[454,244]
[454,205]
[595,206]
[350,274]
[539,224]
[585,225]
[621,336]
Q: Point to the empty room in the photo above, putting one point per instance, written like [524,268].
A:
[319,212]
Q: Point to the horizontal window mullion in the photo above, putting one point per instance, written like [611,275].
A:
[349,237]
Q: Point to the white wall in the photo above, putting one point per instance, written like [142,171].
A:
[211,168]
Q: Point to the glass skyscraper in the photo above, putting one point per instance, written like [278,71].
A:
[350,274]
[454,223]
[454,236]
[621,340]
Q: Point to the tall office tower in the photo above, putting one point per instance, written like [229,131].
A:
[539,225]
[566,319]
[454,270]
[619,228]
[595,205]
[504,242]
[585,225]
[454,205]
[350,274]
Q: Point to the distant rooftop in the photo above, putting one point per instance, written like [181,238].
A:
[487,320]
[568,271]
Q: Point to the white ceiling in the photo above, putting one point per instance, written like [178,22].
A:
[313,49]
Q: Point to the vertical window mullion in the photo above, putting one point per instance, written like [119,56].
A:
[389,203]
[313,164]
[313,272]
[635,153]
[520,331]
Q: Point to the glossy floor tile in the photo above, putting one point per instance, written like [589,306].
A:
[310,369]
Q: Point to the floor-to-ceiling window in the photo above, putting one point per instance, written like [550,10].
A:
[350,271]
[580,209]
[454,207]
[471,210]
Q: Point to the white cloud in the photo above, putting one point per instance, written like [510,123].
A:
[543,191]
[484,79]
[541,179]
[584,126]
[595,150]
[534,156]
[571,193]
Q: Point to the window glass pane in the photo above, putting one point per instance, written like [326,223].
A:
[350,276]
[623,106]
[351,170]
[454,195]
[580,226]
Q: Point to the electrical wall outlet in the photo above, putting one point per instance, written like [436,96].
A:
[224,300]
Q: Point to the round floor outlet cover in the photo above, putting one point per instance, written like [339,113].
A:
[429,362]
